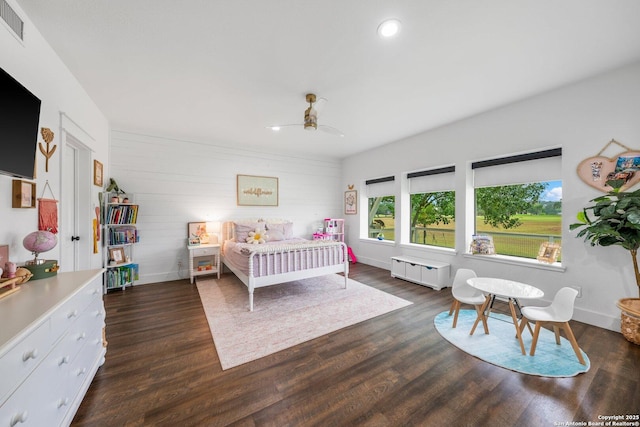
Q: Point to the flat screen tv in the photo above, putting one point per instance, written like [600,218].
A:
[19,119]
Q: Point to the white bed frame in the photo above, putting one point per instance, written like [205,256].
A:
[333,252]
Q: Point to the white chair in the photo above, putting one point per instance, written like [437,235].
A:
[558,315]
[465,294]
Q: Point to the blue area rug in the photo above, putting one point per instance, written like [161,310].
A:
[501,347]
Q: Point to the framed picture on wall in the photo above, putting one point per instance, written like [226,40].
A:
[97,173]
[257,190]
[351,202]
[24,194]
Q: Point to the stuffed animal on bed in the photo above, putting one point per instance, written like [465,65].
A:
[257,237]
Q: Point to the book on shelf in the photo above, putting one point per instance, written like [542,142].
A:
[122,276]
[205,265]
[123,235]
[122,214]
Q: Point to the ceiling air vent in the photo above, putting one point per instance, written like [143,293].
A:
[12,19]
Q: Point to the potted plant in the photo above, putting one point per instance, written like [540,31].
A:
[114,188]
[614,219]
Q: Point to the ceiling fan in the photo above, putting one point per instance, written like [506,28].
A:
[311,117]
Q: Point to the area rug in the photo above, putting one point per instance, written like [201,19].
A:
[285,315]
[501,347]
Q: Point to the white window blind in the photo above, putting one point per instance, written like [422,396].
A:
[432,180]
[521,169]
[380,187]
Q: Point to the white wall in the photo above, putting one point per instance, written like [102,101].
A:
[176,181]
[37,67]
[582,119]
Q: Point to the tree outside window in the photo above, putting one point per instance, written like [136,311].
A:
[382,217]
[520,217]
[433,219]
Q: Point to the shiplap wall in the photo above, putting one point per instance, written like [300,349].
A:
[178,181]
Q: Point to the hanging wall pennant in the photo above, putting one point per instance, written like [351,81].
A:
[48,212]
[597,170]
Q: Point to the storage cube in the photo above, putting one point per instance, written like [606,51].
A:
[421,271]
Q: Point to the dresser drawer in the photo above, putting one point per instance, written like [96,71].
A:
[24,357]
[74,307]
[204,251]
[36,402]
[81,370]
[87,328]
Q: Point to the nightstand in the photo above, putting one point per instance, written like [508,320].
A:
[204,259]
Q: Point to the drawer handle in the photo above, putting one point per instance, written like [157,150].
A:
[82,371]
[64,360]
[19,418]
[63,402]
[74,313]
[31,354]
[82,336]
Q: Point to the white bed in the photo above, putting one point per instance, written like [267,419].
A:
[283,259]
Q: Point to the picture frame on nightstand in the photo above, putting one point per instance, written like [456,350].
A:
[197,233]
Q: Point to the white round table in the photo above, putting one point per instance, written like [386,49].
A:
[505,288]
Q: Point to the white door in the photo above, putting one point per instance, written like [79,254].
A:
[76,231]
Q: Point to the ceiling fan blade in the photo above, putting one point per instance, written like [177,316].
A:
[330,130]
[276,128]
[320,104]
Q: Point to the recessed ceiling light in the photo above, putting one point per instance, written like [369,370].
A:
[389,28]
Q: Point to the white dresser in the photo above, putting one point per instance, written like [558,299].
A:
[51,346]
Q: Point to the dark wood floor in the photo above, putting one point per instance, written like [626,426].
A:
[162,369]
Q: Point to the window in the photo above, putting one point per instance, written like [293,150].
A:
[381,208]
[518,201]
[432,207]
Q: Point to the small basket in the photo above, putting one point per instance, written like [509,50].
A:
[630,319]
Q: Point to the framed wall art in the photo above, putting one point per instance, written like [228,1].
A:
[97,173]
[351,202]
[596,171]
[4,255]
[548,252]
[257,190]
[24,194]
